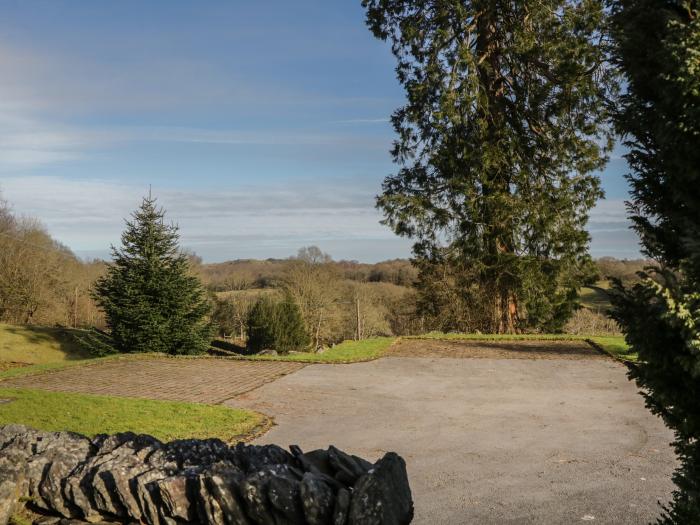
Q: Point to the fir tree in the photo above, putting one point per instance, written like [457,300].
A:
[658,48]
[151,301]
[497,145]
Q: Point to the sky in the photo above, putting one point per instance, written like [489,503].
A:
[260,126]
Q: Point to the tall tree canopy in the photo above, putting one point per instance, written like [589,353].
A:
[497,144]
[151,301]
[658,48]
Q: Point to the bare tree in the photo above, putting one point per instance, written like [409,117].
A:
[313,284]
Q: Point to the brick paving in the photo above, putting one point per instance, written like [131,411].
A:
[196,380]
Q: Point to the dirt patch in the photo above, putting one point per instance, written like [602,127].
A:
[494,349]
[6,365]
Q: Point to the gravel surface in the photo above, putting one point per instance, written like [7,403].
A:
[487,441]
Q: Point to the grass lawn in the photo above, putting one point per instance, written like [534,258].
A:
[37,345]
[91,414]
[345,352]
[41,348]
[615,345]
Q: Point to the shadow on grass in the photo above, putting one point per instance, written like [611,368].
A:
[63,339]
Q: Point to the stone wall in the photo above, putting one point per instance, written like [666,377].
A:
[128,478]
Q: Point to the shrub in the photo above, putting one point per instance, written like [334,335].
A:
[276,326]
[588,322]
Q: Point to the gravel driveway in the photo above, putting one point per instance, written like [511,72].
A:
[489,440]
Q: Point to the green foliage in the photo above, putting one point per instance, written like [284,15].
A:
[276,325]
[658,45]
[662,325]
[497,146]
[151,301]
[224,316]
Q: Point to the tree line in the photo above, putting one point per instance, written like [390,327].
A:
[42,281]
[333,306]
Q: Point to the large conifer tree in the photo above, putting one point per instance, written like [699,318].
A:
[658,47]
[152,302]
[497,145]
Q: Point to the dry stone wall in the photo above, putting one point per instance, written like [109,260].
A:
[129,478]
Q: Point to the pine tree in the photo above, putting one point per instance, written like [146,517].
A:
[658,49]
[151,301]
[497,145]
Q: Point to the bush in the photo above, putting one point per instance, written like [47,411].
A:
[588,322]
[276,326]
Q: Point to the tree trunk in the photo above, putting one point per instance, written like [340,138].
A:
[497,236]
[506,312]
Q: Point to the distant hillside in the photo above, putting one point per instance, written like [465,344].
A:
[242,274]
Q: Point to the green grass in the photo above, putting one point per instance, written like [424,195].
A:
[91,414]
[615,346]
[345,352]
[37,345]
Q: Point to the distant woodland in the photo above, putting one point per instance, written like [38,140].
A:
[42,282]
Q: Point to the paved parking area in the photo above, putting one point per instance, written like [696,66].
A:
[492,440]
[196,380]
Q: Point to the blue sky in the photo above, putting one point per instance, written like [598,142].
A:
[261,126]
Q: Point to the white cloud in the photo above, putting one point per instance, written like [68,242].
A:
[610,231]
[251,221]
[609,210]
[261,221]
[26,142]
